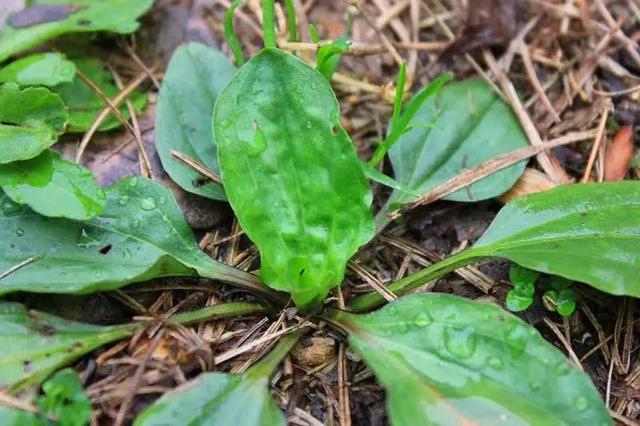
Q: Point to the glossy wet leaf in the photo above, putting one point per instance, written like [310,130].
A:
[445,360]
[35,24]
[53,187]
[588,233]
[195,76]
[140,235]
[30,121]
[39,69]
[462,126]
[84,104]
[217,399]
[224,399]
[585,232]
[34,344]
[291,174]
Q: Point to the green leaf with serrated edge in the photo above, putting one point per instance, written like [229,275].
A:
[588,233]
[224,399]
[33,344]
[291,174]
[84,104]
[70,191]
[39,69]
[195,76]
[30,121]
[140,235]
[21,32]
[468,125]
[446,360]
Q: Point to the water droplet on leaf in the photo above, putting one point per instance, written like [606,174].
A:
[19,232]
[495,362]
[123,200]
[460,342]
[133,181]
[148,204]
[423,319]
[582,403]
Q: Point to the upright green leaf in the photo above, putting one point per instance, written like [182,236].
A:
[30,121]
[223,399]
[445,360]
[588,233]
[27,28]
[39,69]
[34,344]
[140,235]
[84,104]
[291,174]
[53,187]
[462,126]
[195,77]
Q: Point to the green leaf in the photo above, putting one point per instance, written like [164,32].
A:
[223,399]
[23,30]
[520,275]
[445,360]
[195,77]
[64,398]
[30,121]
[53,187]
[471,125]
[16,417]
[39,69]
[140,235]
[84,104]
[377,176]
[291,174]
[34,344]
[588,233]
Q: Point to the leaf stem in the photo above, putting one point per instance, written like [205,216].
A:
[268,24]
[292,23]
[218,311]
[230,33]
[268,364]
[417,279]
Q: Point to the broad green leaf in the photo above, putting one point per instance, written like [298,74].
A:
[140,235]
[53,187]
[63,397]
[588,233]
[30,121]
[195,76]
[585,232]
[291,174]
[39,69]
[34,344]
[223,399]
[462,126]
[445,360]
[24,30]
[84,104]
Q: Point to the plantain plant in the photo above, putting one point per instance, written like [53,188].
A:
[301,194]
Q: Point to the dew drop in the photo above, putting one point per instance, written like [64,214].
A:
[582,403]
[460,342]
[133,181]
[423,319]
[309,125]
[135,223]
[258,143]
[162,200]
[165,218]
[98,273]
[392,310]
[563,368]
[495,363]
[19,232]
[517,338]
[226,123]
[148,204]
[123,200]
[535,385]
[101,194]
[402,327]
